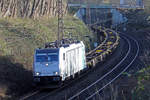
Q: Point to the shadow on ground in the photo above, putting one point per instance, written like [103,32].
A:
[14,79]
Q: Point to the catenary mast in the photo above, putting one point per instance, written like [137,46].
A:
[60,21]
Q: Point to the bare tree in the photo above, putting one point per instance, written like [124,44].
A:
[28,8]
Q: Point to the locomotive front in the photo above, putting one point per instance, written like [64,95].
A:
[46,66]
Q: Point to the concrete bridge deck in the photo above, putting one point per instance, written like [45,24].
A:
[107,6]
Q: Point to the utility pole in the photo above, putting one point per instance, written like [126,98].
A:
[88,13]
[60,21]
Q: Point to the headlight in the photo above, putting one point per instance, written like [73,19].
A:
[56,73]
[37,73]
[46,64]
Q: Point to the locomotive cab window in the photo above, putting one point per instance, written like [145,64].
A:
[46,56]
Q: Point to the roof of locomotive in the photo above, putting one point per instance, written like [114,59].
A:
[50,48]
[46,50]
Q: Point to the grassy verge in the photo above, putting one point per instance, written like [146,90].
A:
[18,39]
[142,90]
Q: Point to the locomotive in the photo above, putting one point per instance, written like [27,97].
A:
[53,65]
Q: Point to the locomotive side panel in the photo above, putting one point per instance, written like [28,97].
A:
[75,59]
[62,63]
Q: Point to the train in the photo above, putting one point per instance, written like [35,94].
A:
[53,65]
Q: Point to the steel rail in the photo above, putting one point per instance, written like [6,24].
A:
[120,73]
[29,95]
[76,95]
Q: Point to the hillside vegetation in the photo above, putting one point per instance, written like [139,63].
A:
[18,39]
[142,89]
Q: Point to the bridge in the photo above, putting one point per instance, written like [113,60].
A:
[123,4]
[108,6]
[107,13]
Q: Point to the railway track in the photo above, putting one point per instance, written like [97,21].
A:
[107,48]
[92,92]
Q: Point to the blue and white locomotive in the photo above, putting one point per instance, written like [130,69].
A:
[56,64]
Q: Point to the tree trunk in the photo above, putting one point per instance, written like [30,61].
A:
[8,13]
[28,8]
